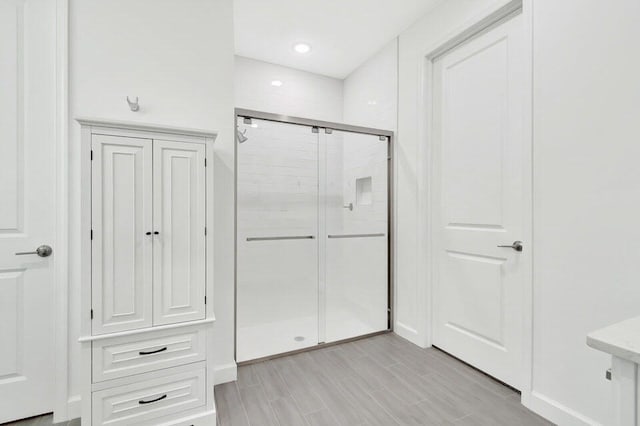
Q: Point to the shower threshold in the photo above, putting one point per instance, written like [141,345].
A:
[312,348]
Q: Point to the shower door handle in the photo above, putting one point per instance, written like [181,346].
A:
[381,234]
[294,237]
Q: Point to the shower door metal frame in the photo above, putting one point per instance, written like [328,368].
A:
[319,124]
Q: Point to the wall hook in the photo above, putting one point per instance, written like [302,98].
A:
[133,105]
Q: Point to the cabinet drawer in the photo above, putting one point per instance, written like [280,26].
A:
[125,356]
[135,403]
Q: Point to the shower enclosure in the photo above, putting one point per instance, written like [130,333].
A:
[312,233]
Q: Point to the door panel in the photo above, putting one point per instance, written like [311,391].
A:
[277,245]
[179,219]
[479,142]
[121,218]
[27,206]
[356,280]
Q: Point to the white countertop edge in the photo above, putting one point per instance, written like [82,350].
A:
[85,339]
[621,339]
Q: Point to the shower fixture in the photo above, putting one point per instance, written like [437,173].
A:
[241,135]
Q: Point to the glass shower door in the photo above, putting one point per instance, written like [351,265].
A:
[277,244]
[356,237]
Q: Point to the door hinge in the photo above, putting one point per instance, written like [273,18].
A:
[205,162]
[205,300]
[91,155]
[205,230]
[92,234]
[92,314]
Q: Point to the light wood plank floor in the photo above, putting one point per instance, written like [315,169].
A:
[382,380]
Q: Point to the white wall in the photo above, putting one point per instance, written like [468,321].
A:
[177,56]
[302,94]
[371,91]
[586,198]
[586,192]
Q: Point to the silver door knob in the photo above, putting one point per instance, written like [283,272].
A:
[42,251]
[517,246]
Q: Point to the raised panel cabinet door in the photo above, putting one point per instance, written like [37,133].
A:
[122,244]
[179,232]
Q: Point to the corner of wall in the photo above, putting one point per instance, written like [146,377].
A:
[411,334]
[226,373]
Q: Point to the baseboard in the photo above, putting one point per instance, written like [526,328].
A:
[73,410]
[410,334]
[74,407]
[554,411]
[225,373]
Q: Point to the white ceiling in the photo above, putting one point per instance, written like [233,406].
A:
[342,33]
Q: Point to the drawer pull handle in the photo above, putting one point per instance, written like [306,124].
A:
[160,398]
[153,352]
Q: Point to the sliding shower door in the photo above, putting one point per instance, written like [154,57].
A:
[277,245]
[356,236]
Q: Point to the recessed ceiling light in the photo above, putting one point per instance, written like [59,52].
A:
[276,83]
[302,47]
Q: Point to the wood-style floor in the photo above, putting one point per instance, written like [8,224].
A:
[382,380]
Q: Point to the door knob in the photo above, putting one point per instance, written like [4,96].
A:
[517,246]
[42,251]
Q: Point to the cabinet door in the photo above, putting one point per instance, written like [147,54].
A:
[121,211]
[179,220]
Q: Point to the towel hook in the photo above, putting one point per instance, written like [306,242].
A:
[133,105]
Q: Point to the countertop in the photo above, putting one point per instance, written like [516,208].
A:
[621,339]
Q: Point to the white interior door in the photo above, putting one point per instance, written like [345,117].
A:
[122,238]
[480,194]
[179,231]
[27,206]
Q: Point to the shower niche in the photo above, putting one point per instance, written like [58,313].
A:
[364,197]
[312,237]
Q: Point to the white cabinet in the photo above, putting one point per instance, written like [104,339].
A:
[134,403]
[121,215]
[179,218]
[148,227]
[147,261]
[622,342]
[129,355]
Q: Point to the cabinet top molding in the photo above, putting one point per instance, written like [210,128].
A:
[621,339]
[146,127]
